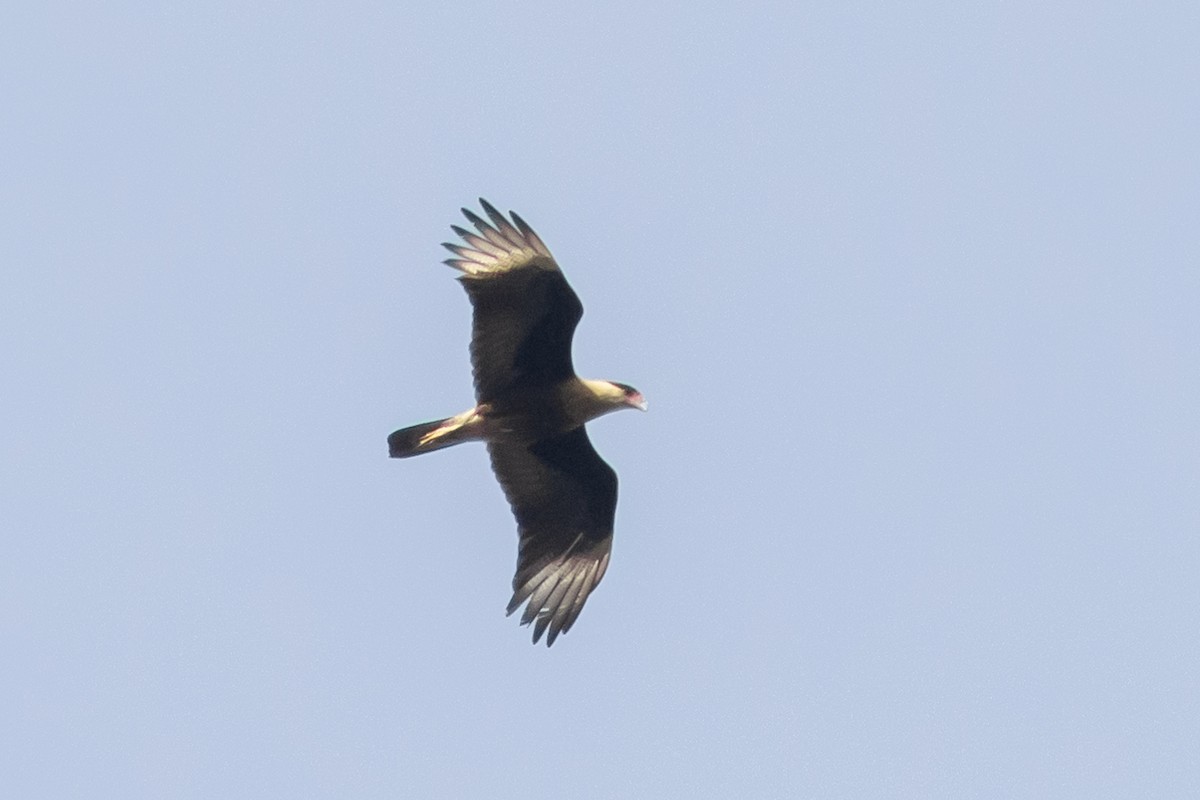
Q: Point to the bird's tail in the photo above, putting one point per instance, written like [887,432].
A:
[430,436]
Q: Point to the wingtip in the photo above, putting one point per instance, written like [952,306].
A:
[539,627]
[529,235]
[500,245]
[494,215]
[521,224]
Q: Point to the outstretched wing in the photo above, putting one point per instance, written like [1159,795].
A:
[525,313]
[564,497]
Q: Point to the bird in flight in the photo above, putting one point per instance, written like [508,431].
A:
[531,409]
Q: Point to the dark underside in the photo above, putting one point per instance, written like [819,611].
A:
[523,325]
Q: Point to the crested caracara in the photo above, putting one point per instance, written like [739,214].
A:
[531,408]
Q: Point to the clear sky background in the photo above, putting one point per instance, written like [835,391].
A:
[913,292]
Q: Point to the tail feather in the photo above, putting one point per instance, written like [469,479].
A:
[427,437]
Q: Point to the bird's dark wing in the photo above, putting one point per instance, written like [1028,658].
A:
[564,497]
[525,313]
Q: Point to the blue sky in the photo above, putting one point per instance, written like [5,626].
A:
[912,292]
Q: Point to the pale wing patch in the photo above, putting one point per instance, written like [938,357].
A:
[555,594]
[503,246]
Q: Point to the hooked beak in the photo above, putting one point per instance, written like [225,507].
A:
[637,401]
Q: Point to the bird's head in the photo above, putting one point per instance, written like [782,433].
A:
[629,396]
[604,397]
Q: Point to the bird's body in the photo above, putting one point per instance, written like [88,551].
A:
[531,409]
[515,417]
